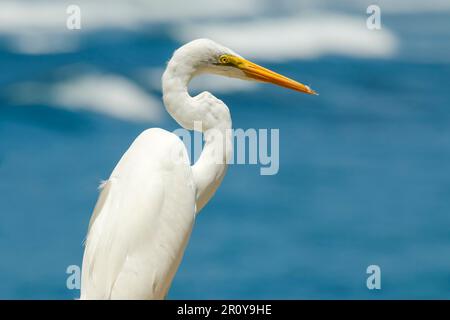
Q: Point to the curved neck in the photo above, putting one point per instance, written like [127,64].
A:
[204,113]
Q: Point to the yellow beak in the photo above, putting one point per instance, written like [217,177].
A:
[254,71]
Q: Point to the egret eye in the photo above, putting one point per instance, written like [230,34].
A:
[224,59]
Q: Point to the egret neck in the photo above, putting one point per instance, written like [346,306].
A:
[204,113]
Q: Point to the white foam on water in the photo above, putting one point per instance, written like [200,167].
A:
[108,94]
[33,25]
[306,36]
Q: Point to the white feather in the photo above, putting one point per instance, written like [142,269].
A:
[141,223]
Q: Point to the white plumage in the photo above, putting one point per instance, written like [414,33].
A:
[141,223]
[146,209]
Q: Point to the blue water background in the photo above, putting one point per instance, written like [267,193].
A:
[364,176]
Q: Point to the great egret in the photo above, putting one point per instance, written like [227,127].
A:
[146,209]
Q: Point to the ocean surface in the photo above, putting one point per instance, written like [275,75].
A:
[364,173]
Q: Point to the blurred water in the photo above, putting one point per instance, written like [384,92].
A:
[364,176]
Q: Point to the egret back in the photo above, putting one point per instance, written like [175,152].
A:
[142,221]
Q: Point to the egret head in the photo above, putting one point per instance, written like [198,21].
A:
[207,56]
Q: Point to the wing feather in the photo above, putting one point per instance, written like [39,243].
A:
[104,192]
[141,222]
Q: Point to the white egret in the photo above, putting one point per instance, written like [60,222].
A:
[146,209]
